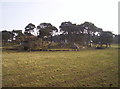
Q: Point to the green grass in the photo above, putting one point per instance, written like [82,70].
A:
[86,68]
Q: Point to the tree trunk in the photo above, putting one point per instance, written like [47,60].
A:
[51,38]
[106,45]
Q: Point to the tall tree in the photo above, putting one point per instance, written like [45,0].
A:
[116,39]
[46,31]
[69,30]
[18,36]
[29,29]
[7,36]
[89,29]
[106,37]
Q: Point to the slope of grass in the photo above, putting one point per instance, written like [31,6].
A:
[90,68]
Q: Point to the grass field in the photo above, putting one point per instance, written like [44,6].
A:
[86,68]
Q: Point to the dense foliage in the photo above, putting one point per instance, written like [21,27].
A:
[45,34]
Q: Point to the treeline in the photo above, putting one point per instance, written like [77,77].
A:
[45,35]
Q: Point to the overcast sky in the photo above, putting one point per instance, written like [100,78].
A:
[16,14]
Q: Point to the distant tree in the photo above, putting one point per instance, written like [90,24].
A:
[29,29]
[18,36]
[28,38]
[89,29]
[7,36]
[116,39]
[67,27]
[96,37]
[69,31]
[46,31]
[106,37]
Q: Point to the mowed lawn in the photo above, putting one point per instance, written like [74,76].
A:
[85,68]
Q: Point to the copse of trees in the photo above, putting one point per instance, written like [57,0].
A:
[39,37]
[43,35]
[85,34]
